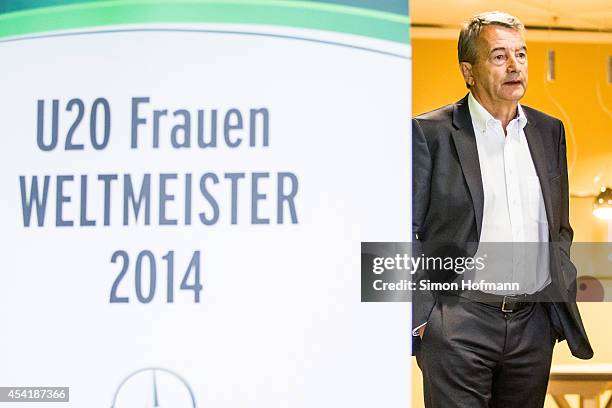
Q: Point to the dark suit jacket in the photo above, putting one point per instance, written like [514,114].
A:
[448,201]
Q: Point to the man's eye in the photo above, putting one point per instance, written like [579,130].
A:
[522,55]
[499,57]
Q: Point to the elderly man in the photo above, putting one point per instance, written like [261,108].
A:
[487,169]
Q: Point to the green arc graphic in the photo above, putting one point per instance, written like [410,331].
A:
[300,14]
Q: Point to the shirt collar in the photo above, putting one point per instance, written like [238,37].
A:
[481,116]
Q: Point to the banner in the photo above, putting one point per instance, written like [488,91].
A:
[185,187]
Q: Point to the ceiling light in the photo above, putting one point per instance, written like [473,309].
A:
[602,206]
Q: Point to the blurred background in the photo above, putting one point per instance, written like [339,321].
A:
[570,77]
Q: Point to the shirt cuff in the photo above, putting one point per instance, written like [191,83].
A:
[415,332]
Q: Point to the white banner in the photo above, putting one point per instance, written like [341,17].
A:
[182,210]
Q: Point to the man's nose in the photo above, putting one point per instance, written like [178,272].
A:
[513,64]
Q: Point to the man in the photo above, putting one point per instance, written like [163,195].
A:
[487,169]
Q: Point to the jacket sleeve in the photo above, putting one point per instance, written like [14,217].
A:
[422,301]
[566,234]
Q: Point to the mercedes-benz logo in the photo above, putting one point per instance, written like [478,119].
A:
[155,388]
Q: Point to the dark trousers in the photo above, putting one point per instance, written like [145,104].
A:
[473,355]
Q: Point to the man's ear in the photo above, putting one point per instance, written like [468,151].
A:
[466,71]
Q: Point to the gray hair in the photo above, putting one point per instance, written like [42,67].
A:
[466,47]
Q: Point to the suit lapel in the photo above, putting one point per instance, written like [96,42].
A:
[465,143]
[538,155]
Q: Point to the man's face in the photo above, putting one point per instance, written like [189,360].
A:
[500,72]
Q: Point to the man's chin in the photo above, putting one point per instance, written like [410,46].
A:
[514,96]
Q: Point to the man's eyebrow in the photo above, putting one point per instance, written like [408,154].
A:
[523,48]
[497,49]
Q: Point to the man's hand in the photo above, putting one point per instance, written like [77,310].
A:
[422,330]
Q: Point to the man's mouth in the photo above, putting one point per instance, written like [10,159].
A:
[513,83]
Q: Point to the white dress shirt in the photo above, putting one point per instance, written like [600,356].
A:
[514,211]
